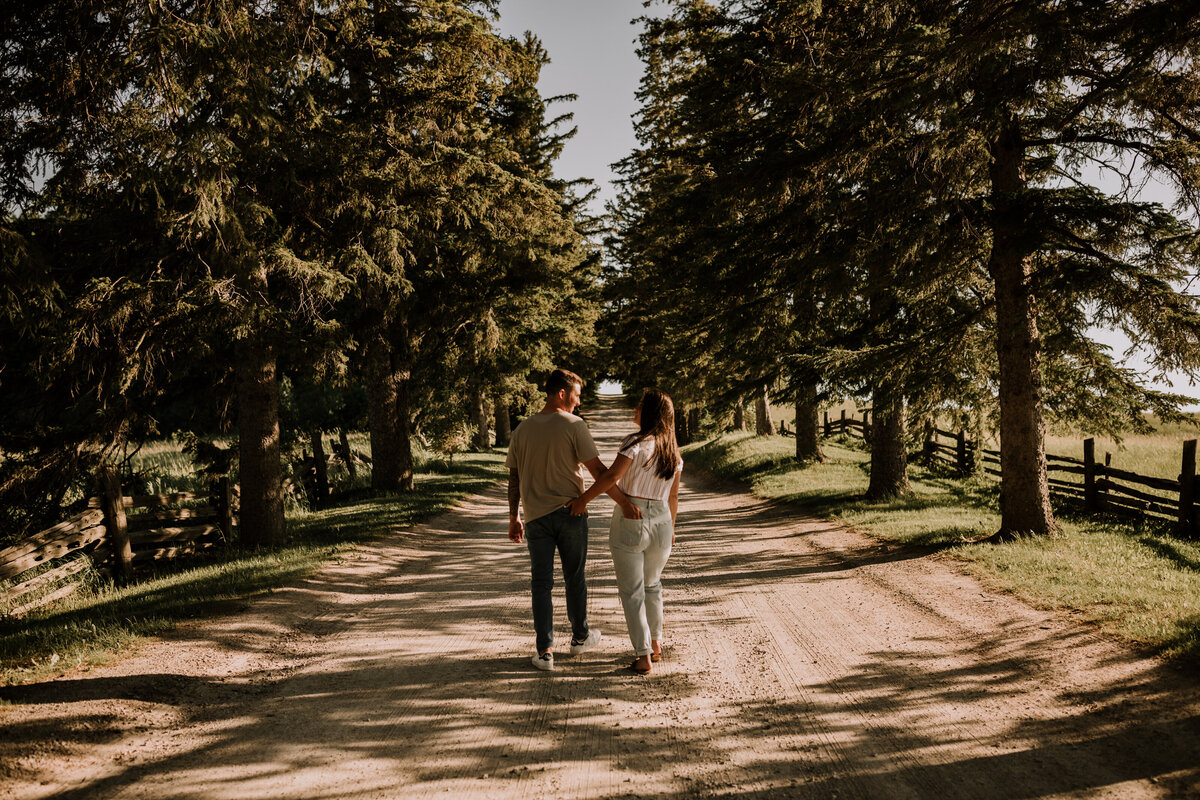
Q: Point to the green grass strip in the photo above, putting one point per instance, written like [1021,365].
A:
[1134,580]
[96,624]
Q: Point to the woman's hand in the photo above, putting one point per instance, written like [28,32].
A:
[630,511]
[577,507]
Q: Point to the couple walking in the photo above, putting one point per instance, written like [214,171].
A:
[544,482]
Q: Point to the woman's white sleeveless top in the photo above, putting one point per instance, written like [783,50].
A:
[640,480]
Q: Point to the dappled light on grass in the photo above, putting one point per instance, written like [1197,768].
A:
[1134,579]
[95,623]
[1144,587]
[940,511]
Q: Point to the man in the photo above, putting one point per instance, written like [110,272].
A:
[543,476]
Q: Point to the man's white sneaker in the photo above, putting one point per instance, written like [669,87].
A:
[582,646]
[543,661]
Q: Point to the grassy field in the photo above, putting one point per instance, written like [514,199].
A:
[1157,454]
[89,628]
[1133,580]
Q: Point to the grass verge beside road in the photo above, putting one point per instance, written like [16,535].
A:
[1132,579]
[94,625]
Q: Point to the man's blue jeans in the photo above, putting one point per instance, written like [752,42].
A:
[567,534]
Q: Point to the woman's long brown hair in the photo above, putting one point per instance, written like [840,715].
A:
[657,421]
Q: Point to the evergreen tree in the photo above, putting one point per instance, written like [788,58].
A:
[1028,96]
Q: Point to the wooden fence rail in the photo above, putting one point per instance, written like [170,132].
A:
[113,542]
[1100,486]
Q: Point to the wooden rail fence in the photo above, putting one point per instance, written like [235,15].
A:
[848,425]
[1099,487]
[116,535]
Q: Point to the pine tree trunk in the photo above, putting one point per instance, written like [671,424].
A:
[808,424]
[321,465]
[889,457]
[382,390]
[763,425]
[739,417]
[260,469]
[1024,490]
[503,423]
[483,437]
[682,435]
[402,370]
[347,454]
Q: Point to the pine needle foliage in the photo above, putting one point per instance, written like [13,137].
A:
[199,197]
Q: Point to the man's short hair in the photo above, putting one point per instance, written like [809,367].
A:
[562,379]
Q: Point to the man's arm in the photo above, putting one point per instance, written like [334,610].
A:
[596,467]
[516,531]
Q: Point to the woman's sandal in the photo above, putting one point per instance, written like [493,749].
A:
[635,669]
[656,657]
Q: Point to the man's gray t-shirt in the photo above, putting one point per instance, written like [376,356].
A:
[547,450]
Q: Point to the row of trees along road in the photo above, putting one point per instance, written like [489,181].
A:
[929,204]
[201,199]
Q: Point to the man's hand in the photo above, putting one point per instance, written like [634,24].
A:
[516,531]
[630,511]
[577,507]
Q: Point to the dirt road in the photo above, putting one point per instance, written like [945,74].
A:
[803,660]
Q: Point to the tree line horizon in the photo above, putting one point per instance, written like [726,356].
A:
[276,219]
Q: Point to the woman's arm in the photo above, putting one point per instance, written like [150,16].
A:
[673,502]
[605,481]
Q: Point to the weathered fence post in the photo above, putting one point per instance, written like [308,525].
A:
[1102,495]
[1187,490]
[826,429]
[842,427]
[112,503]
[348,454]
[866,428]
[1091,501]
[321,469]
[963,466]
[223,501]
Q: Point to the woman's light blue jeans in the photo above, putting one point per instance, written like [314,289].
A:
[640,549]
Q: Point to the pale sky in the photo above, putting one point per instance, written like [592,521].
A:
[591,46]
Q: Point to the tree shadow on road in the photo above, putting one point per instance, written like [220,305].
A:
[421,686]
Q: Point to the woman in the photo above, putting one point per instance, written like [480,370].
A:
[647,470]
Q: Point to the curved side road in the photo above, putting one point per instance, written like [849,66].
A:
[803,660]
